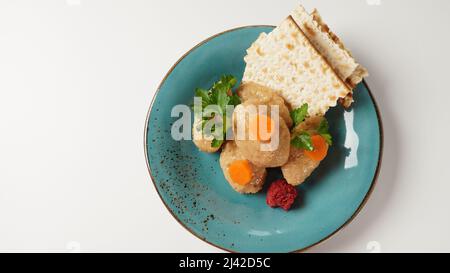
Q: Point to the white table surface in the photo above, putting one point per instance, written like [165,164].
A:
[77,77]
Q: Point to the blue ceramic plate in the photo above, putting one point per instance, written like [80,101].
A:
[193,188]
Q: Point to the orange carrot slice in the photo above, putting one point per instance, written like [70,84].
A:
[261,126]
[241,172]
[320,148]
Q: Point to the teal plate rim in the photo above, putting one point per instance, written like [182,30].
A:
[347,222]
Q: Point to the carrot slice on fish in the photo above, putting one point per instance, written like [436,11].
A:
[261,126]
[320,148]
[240,172]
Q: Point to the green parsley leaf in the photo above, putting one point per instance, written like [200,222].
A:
[299,114]
[216,143]
[203,94]
[219,94]
[323,130]
[327,138]
[226,82]
[222,99]
[323,127]
[234,100]
[303,141]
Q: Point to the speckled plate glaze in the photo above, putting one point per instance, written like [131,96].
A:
[192,186]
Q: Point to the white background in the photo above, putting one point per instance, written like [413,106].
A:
[77,77]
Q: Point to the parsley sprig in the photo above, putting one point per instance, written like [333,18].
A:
[299,114]
[221,95]
[323,131]
[303,139]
